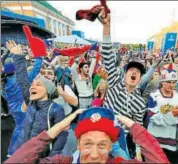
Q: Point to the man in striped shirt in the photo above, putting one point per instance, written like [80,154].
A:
[122,96]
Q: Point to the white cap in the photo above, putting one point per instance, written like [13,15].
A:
[168,75]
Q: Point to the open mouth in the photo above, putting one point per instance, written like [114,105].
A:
[133,77]
[33,93]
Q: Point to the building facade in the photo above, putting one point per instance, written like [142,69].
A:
[55,21]
[159,37]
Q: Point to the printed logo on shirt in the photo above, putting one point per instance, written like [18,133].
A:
[166,108]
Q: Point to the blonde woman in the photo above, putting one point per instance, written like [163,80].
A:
[100,93]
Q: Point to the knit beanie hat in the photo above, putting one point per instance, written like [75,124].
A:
[49,85]
[96,119]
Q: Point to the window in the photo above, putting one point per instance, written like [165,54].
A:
[49,23]
[52,26]
[59,28]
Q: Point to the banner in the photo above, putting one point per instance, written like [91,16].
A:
[150,45]
[169,41]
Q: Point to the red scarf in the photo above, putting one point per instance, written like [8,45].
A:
[74,51]
[90,14]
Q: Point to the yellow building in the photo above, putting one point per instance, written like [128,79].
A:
[158,38]
[55,21]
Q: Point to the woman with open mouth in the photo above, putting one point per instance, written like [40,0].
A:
[41,112]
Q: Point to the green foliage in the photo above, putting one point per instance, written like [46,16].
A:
[135,46]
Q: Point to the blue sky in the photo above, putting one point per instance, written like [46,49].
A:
[131,21]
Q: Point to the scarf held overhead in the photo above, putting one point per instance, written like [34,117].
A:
[90,14]
[75,51]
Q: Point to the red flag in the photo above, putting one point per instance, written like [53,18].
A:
[75,51]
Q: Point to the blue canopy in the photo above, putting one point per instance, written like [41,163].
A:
[37,21]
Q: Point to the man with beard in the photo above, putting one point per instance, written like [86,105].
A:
[163,114]
[83,81]
[122,96]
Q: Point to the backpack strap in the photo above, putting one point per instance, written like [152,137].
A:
[49,126]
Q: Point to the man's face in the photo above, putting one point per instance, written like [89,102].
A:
[156,75]
[123,62]
[132,77]
[48,74]
[63,61]
[38,91]
[168,86]
[94,147]
[85,69]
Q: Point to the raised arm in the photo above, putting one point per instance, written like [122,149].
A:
[35,70]
[150,147]
[4,56]
[31,150]
[68,95]
[21,71]
[92,67]
[106,52]
[60,140]
[74,69]
[146,78]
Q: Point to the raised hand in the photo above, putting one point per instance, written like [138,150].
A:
[156,62]
[175,111]
[103,17]
[63,125]
[60,90]
[125,120]
[13,47]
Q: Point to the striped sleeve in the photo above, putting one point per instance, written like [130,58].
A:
[109,62]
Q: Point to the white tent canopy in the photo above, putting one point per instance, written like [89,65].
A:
[70,39]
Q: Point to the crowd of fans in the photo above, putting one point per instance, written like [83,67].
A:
[45,93]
